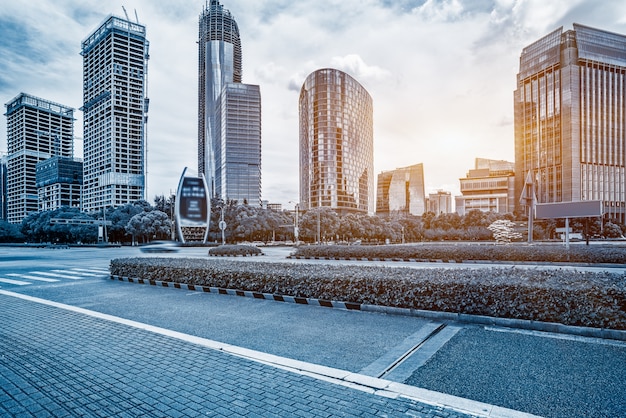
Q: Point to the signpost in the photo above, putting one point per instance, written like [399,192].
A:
[193,205]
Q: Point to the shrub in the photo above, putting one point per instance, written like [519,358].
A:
[235,250]
[567,297]
[610,254]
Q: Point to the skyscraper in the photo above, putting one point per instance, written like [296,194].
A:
[229,112]
[37,130]
[402,191]
[115,110]
[336,143]
[570,118]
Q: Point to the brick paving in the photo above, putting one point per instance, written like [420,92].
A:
[59,363]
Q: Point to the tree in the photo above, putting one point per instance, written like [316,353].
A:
[474,217]
[611,230]
[149,225]
[119,218]
[325,218]
[10,232]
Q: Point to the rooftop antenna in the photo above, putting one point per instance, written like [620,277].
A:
[123,8]
[136,17]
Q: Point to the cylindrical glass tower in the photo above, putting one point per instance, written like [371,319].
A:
[336,143]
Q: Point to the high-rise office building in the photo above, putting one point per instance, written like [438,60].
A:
[238,154]
[229,112]
[336,143]
[401,191]
[37,129]
[115,110]
[570,118]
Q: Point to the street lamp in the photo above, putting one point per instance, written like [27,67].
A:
[296,229]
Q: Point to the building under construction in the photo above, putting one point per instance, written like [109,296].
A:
[115,110]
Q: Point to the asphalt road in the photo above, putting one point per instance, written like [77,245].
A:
[539,373]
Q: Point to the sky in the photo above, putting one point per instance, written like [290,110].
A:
[441,73]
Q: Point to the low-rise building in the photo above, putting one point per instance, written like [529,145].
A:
[489,187]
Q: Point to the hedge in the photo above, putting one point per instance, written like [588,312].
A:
[570,297]
[592,254]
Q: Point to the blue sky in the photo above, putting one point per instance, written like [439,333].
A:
[441,72]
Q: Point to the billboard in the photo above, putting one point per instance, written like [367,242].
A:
[193,205]
[582,209]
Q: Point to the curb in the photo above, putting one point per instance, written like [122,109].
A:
[459,261]
[525,324]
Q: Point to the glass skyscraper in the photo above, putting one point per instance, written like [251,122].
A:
[402,191]
[229,112]
[570,118]
[336,143]
[115,110]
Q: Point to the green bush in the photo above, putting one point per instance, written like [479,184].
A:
[567,297]
[235,250]
[594,254]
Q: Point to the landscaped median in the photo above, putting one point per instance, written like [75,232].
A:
[569,297]
[460,252]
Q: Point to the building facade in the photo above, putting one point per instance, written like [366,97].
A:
[115,108]
[570,118]
[402,191]
[3,187]
[59,182]
[489,187]
[229,112]
[238,156]
[37,129]
[336,143]
[440,202]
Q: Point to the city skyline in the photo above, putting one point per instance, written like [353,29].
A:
[441,73]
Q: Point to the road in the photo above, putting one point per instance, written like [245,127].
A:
[469,369]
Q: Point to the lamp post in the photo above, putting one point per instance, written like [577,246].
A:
[296,229]
[222,226]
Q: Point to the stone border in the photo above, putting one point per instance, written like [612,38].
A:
[603,333]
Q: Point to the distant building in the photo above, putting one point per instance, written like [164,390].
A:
[115,108]
[274,206]
[489,187]
[402,191]
[440,202]
[3,187]
[59,182]
[37,130]
[570,126]
[336,143]
[229,112]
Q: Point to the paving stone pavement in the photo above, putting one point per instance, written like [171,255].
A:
[60,363]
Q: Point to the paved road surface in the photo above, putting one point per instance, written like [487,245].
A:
[86,343]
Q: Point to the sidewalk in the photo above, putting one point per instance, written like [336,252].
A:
[58,360]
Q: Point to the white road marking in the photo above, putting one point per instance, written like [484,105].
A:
[58,274]
[30,277]
[17,282]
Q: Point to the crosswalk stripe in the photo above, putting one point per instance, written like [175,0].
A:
[30,277]
[84,273]
[17,282]
[58,274]
[97,271]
